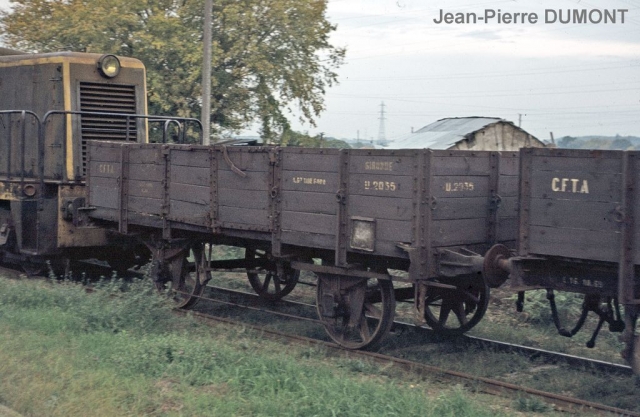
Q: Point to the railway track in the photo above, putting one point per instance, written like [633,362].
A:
[251,301]
[248,301]
[486,385]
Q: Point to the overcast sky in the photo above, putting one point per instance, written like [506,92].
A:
[569,79]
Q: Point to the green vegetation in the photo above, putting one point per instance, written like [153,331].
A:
[270,57]
[66,352]
[292,138]
[600,142]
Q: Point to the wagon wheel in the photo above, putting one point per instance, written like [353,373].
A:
[468,303]
[268,283]
[174,277]
[355,312]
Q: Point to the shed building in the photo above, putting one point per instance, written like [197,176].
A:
[469,133]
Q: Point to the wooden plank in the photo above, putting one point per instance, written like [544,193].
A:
[243,216]
[198,157]
[144,205]
[472,164]
[382,164]
[318,182]
[381,207]
[188,212]
[509,163]
[398,186]
[308,222]
[146,154]
[310,240]
[146,172]
[149,189]
[104,195]
[508,207]
[394,231]
[507,229]
[461,208]
[578,186]
[384,248]
[229,182]
[460,186]
[257,200]
[570,214]
[458,232]
[588,161]
[323,203]
[508,186]
[104,169]
[245,159]
[101,152]
[190,193]
[575,243]
[191,175]
[310,160]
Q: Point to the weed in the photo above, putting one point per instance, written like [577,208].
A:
[531,405]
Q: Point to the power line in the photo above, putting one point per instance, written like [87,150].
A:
[382,137]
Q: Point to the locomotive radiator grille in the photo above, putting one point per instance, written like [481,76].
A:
[107,98]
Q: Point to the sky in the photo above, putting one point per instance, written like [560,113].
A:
[548,77]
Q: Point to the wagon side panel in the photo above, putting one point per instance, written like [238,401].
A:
[244,185]
[382,201]
[573,203]
[462,186]
[189,185]
[310,182]
[103,179]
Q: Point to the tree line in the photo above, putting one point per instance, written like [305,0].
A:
[271,59]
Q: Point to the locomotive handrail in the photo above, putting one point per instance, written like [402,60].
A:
[23,137]
[128,117]
[165,130]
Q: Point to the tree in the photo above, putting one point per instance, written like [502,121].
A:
[293,138]
[271,58]
[621,143]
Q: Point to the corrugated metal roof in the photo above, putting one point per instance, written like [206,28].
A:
[442,134]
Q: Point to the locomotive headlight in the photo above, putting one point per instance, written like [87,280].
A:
[109,66]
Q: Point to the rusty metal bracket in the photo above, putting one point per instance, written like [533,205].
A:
[452,263]
[234,168]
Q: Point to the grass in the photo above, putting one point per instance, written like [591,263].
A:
[64,352]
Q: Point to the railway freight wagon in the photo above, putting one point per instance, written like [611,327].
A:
[415,220]
[578,233]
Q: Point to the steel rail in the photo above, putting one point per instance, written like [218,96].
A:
[488,385]
[531,352]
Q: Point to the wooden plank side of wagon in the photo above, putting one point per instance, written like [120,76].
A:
[571,204]
[307,210]
[381,200]
[189,180]
[244,183]
[464,182]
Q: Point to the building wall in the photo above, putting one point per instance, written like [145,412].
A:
[498,137]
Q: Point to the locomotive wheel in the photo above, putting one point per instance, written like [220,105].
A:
[184,288]
[268,284]
[468,303]
[355,312]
